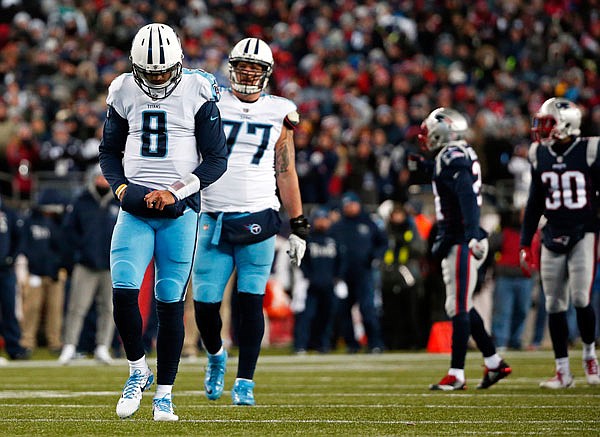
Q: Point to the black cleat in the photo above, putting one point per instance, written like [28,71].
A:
[492,376]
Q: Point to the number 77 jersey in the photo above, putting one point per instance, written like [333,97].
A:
[564,187]
[252,131]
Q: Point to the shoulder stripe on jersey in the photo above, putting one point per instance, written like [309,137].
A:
[592,150]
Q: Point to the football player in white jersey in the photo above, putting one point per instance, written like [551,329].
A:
[163,141]
[240,216]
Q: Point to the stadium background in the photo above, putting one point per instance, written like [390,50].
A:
[363,74]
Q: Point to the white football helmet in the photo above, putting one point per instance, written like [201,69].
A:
[156,50]
[255,51]
[557,119]
[442,126]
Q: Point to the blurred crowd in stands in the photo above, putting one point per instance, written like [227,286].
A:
[363,74]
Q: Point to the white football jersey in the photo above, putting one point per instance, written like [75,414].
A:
[161,146]
[252,130]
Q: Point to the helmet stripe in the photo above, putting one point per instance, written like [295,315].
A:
[150,48]
[247,48]
[256,47]
[162,50]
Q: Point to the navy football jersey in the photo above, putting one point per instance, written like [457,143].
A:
[457,188]
[563,188]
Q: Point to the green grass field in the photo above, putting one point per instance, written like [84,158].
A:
[351,395]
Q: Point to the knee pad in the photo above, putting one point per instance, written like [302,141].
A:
[556,305]
[169,291]
[121,275]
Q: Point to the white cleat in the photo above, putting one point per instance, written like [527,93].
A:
[590,366]
[162,409]
[67,354]
[560,380]
[102,355]
[130,400]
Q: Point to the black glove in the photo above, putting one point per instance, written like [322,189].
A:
[300,226]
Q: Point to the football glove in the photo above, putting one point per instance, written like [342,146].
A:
[297,240]
[526,261]
[297,249]
[479,248]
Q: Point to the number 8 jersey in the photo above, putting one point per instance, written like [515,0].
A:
[564,188]
[164,138]
[252,130]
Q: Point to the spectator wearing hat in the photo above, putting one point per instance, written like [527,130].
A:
[44,288]
[322,269]
[61,154]
[362,244]
[88,227]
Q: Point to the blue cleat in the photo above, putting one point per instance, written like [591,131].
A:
[214,380]
[242,392]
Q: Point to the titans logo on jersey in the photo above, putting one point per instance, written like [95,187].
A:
[457,189]
[564,187]
[161,147]
[252,130]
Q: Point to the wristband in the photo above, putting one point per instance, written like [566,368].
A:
[120,190]
[185,187]
[300,226]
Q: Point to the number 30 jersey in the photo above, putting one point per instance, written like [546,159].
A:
[564,187]
[252,130]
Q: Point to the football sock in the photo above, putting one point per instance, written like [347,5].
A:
[162,391]
[219,352]
[209,324]
[457,373]
[589,351]
[586,321]
[559,333]
[460,338]
[482,339]
[562,365]
[492,362]
[140,364]
[252,329]
[128,320]
[169,341]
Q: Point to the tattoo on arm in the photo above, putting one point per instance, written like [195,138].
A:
[283,159]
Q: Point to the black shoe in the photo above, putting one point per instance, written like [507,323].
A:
[492,376]
[23,354]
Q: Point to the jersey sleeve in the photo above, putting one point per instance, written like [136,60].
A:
[534,207]
[114,98]
[112,145]
[209,88]
[211,144]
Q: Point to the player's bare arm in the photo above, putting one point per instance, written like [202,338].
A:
[285,173]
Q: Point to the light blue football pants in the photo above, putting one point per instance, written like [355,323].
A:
[171,242]
[214,263]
